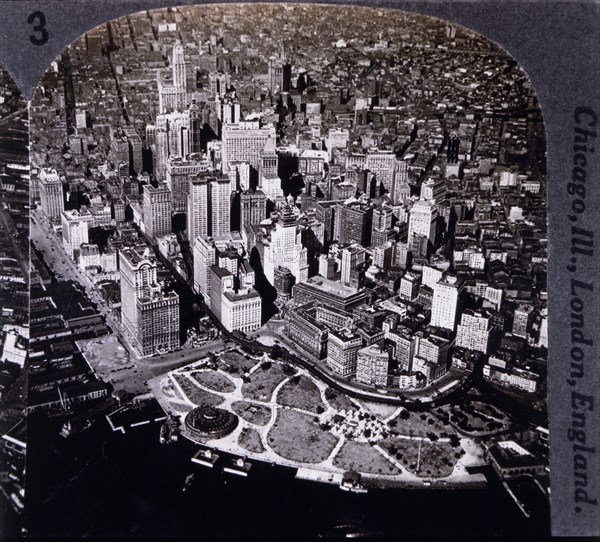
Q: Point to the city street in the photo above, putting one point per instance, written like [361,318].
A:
[50,245]
[274,332]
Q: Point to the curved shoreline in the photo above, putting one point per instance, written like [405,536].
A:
[368,480]
[325,469]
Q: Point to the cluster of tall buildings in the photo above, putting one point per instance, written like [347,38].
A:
[225,279]
[399,221]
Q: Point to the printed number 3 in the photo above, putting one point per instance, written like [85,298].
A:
[38,20]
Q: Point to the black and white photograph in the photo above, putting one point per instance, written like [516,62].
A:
[14,301]
[297,269]
[288,277]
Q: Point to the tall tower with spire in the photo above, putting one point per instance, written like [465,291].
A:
[284,248]
[178,66]
[172,95]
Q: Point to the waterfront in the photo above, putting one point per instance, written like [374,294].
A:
[379,191]
[129,484]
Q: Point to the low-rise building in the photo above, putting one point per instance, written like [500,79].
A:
[302,327]
[510,459]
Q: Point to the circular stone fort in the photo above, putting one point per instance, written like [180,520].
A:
[210,422]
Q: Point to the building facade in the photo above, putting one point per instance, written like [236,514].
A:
[445,304]
[150,316]
[372,366]
[178,174]
[157,210]
[342,352]
[75,226]
[285,249]
[244,142]
[473,332]
[209,205]
[51,193]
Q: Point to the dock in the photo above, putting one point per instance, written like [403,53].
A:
[205,457]
[135,415]
[238,466]
[516,500]
[315,475]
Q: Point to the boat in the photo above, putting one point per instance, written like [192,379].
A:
[238,466]
[352,481]
[17,502]
[188,482]
[164,433]
[352,488]
[205,457]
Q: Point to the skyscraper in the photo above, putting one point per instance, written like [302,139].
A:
[173,137]
[161,153]
[135,149]
[157,210]
[197,119]
[279,76]
[220,205]
[445,304]
[253,207]
[404,346]
[241,310]
[75,225]
[178,66]
[409,286]
[431,356]
[268,179]
[422,220]
[173,96]
[177,126]
[219,83]
[522,320]
[383,165]
[352,257]
[342,351]
[434,189]
[228,111]
[283,282]
[179,171]
[209,205]
[474,331]
[51,193]
[119,152]
[233,299]
[285,248]
[197,207]
[244,142]
[372,366]
[381,228]
[401,191]
[431,275]
[150,316]
[205,253]
[353,223]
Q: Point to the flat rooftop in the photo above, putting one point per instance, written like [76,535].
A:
[330,286]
